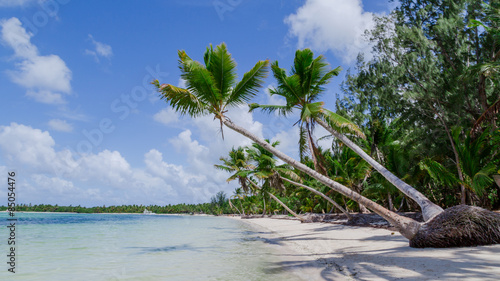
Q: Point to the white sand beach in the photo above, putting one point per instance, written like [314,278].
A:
[322,251]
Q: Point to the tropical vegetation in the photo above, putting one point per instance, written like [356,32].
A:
[418,124]
[417,128]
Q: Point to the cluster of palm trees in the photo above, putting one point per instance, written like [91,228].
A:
[211,88]
[257,173]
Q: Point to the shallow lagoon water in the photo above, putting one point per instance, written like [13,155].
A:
[58,246]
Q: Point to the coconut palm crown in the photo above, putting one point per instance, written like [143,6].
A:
[237,163]
[302,89]
[212,88]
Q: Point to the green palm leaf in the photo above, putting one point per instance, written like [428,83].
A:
[483,179]
[199,80]
[338,123]
[182,100]
[281,109]
[311,110]
[249,86]
[224,168]
[325,79]
[303,147]
[438,172]
[222,67]
[288,85]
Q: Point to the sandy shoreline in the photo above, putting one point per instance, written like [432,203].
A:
[322,251]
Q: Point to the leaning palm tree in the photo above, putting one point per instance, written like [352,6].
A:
[274,175]
[237,195]
[302,89]
[277,200]
[212,89]
[237,162]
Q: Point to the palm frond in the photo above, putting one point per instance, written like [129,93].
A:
[249,86]
[291,100]
[325,79]
[224,168]
[317,69]
[288,86]
[199,81]
[438,172]
[281,109]
[302,68]
[310,111]
[232,177]
[182,100]
[303,147]
[338,122]
[223,68]
[303,59]
[483,179]
[289,173]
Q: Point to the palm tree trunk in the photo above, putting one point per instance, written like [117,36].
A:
[497,179]
[286,207]
[233,207]
[463,190]
[429,209]
[359,188]
[241,206]
[320,194]
[401,205]
[264,212]
[279,201]
[406,226]
[389,198]
[318,166]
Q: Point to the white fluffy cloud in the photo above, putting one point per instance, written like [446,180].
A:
[334,25]
[100,49]
[288,139]
[14,3]
[60,125]
[166,116]
[22,145]
[51,174]
[106,177]
[46,78]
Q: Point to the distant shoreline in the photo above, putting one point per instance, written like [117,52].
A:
[173,214]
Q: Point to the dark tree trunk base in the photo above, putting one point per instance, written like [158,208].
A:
[459,226]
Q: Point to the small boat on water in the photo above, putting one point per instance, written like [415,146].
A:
[146,212]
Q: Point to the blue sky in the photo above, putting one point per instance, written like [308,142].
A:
[80,122]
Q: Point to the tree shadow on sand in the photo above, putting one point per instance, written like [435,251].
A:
[396,264]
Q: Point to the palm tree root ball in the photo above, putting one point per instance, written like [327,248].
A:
[459,226]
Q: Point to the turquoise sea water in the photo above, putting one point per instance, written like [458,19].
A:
[136,247]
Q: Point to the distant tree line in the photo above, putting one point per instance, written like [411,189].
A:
[217,206]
